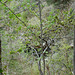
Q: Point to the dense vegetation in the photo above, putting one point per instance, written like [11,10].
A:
[24,43]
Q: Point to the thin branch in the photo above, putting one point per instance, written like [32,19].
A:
[43,52]
[36,52]
[6,1]
[13,13]
[20,11]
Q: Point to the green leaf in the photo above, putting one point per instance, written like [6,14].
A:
[27,42]
[38,32]
[19,50]
[28,1]
[12,52]
[19,15]
[13,37]
[19,28]
[28,5]
[29,26]
[9,0]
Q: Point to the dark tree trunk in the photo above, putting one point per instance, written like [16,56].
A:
[39,66]
[74,53]
[0,60]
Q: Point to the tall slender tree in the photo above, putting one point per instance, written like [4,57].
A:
[74,52]
[0,59]
[39,63]
[42,73]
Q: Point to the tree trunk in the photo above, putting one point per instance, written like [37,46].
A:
[39,66]
[74,53]
[43,64]
[0,59]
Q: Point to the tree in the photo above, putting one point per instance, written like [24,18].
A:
[0,59]
[56,25]
[74,53]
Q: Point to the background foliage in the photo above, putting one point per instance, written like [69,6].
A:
[20,25]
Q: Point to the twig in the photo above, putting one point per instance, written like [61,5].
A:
[20,11]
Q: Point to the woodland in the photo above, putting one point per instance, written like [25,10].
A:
[37,37]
